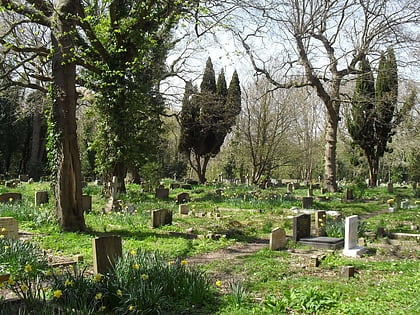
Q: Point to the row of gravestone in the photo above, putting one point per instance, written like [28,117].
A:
[41,197]
[302,234]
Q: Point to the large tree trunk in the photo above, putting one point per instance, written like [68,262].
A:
[35,160]
[330,151]
[373,163]
[68,189]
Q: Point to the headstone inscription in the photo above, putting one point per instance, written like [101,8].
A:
[106,251]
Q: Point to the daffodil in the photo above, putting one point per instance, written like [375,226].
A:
[102,308]
[184,262]
[11,281]
[98,296]
[28,268]
[58,294]
[131,308]
[97,277]
[119,293]
[135,266]
[68,283]
[144,276]
[133,252]
[3,229]
[24,288]
[218,283]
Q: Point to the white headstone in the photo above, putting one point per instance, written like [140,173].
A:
[350,238]
[278,239]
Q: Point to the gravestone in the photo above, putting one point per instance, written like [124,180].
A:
[161,217]
[182,198]
[23,177]
[301,226]
[10,197]
[390,188]
[41,197]
[307,202]
[278,239]
[405,204]
[351,248]
[113,204]
[106,251]
[348,194]
[161,193]
[347,272]
[184,208]
[9,227]
[320,221]
[289,187]
[296,185]
[86,203]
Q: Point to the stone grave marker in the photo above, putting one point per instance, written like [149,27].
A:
[184,208]
[182,198]
[307,202]
[320,221]
[161,217]
[289,187]
[348,194]
[106,251]
[10,197]
[278,239]
[162,193]
[301,226]
[390,188]
[351,248]
[296,185]
[41,197]
[186,186]
[86,203]
[347,272]
[9,227]
[23,177]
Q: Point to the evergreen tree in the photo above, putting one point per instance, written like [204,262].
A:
[373,115]
[207,117]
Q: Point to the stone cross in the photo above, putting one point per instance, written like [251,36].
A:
[351,248]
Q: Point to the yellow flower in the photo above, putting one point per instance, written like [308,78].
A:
[390,201]
[171,262]
[97,278]
[135,266]
[1,285]
[218,283]
[28,268]
[68,283]
[144,276]
[133,252]
[10,199]
[58,294]
[131,308]
[184,262]
[119,293]
[11,281]
[6,247]
[102,308]
[3,229]
[48,273]
[24,288]
[2,236]
[98,296]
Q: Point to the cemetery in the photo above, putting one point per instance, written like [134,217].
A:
[248,244]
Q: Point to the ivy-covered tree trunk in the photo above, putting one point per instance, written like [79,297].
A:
[330,152]
[68,189]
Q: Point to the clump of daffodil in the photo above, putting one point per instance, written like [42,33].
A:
[97,277]
[57,294]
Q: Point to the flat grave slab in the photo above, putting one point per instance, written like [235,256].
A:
[323,242]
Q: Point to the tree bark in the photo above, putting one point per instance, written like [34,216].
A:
[68,188]
[330,151]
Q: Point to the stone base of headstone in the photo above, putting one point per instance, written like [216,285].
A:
[354,252]
[184,209]
[9,227]
[41,197]
[278,239]
[347,272]
[106,251]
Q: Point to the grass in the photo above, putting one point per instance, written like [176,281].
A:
[262,283]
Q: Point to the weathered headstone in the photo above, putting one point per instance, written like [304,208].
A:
[278,239]
[390,188]
[320,221]
[307,202]
[289,187]
[351,247]
[9,227]
[347,272]
[41,197]
[161,217]
[182,198]
[10,197]
[86,203]
[348,194]
[23,177]
[162,193]
[184,208]
[106,251]
[301,226]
